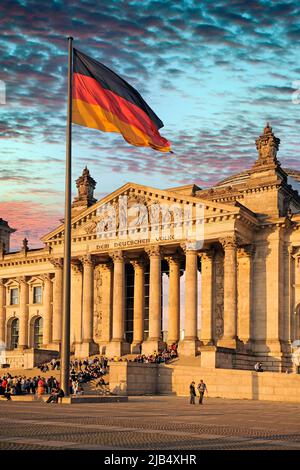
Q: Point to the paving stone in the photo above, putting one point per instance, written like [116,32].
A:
[151,423]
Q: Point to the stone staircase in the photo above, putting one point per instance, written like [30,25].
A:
[90,388]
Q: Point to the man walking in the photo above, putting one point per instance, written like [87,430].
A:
[192,393]
[201,389]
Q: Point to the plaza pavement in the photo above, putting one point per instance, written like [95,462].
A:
[151,423]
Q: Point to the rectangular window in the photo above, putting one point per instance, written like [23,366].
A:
[37,295]
[14,296]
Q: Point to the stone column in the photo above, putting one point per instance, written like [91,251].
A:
[24,312]
[274,295]
[188,346]
[230,293]
[76,306]
[47,309]
[294,291]
[154,342]
[118,346]
[2,311]
[138,305]
[106,290]
[174,299]
[207,297]
[57,302]
[245,287]
[88,346]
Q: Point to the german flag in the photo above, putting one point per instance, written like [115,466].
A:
[103,100]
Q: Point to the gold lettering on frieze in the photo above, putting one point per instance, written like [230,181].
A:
[122,244]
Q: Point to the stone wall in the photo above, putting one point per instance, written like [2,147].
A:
[144,379]
[133,378]
[29,358]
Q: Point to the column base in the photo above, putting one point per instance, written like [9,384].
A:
[22,348]
[151,345]
[207,342]
[188,347]
[103,347]
[209,356]
[54,346]
[244,345]
[136,347]
[117,348]
[47,346]
[274,347]
[228,343]
[86,349]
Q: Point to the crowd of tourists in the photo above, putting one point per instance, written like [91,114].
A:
[157,358]
[154,358]
[21,385]
[81,371]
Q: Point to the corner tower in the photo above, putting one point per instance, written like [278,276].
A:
[5,231]
[85,187]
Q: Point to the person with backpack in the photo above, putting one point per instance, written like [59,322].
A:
[201,389]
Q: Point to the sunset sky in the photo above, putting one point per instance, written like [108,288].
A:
[213,71]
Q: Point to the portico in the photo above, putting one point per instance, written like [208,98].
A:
[212,270]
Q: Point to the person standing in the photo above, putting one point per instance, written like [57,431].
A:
[201,389]
[41,387]
[192,393]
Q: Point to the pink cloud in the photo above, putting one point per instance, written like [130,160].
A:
[32,220]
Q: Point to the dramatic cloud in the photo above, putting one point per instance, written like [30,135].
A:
[214,72]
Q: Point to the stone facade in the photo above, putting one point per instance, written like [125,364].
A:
[151,379]
[248,257]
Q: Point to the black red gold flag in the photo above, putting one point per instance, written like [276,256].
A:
[101,99]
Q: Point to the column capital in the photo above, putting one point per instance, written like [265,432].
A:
[294,251]
[188,247]
[138,263]
[206,255]
[87,260]
[117,255]
[154,251]
[174,259]
[2,283]
[57,262]
[246,251]
[46,277]
[76,267]
[230,242]
[22,280]
[106,266]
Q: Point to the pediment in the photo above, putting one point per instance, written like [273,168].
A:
[137,201]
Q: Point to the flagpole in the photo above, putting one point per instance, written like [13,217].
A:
[65,344]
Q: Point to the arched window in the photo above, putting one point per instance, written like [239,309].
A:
[14,333]
[38,333]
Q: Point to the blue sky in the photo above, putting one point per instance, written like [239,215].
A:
[213,71]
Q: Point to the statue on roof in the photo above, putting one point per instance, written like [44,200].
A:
[25,245]
[267,145]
